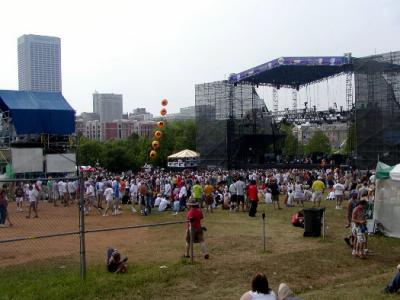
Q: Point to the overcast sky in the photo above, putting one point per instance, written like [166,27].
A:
[149,50]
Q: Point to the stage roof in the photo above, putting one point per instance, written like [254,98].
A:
[293,71]
[38,112]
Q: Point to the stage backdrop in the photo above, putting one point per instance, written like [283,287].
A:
[61,163]
[27,160]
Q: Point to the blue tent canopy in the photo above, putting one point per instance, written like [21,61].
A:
[38,112]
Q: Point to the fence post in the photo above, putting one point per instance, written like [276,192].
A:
[323,225]
[264,239]
[191,240]
[82,228]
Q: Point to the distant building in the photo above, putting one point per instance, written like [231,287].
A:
[39,63]
[146,129]
[185,113]
[336,133]
[87,116]
[120,129]
[108,106]
[80,126]
[94,130]
[141,115]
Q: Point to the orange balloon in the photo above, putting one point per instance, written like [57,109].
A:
[160,124]
[153,154]
[163,112]
[164,102]
[158,134]
[155,145]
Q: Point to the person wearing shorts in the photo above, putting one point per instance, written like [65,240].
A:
[19,196]
[90,198]
[274,188]
[197,192]
[338,189]
[109,196]
[318,188]
[194,216]
[240,189]
[233,196]
[209,199]
[359,229]
[33,198]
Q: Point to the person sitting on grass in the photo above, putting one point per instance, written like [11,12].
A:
[259,289]
[114,262]
[298,219]
[285,293]
[394,284]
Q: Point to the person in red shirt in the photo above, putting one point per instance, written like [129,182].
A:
[194,216]
[359,228]
[252,195]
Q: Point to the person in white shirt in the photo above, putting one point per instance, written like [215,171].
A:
[259,289]
[167,189]
[163,204]
[157,201]
[182,197]
[109,195]
[338,189]
[133,192]
[90,198]
[298,194]
[71,190]
[240,189]
[33,198]
[62,191]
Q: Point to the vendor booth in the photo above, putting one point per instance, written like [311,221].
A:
[184,159]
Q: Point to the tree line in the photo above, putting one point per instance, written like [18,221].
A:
[133,152]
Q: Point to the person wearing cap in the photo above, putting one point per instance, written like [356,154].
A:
[318,188]
[194,216]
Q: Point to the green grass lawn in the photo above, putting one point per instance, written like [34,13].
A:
[314,268]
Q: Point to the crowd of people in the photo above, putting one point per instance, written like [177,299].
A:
[233,190]
[204,191]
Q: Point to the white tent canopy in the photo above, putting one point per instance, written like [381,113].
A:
[395,173]
[185,154]
[387,202]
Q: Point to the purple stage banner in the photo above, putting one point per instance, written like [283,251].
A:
[291,61]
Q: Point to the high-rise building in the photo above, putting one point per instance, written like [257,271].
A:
[107,106]
[39,63]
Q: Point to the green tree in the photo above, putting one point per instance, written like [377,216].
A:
[350,145]
[133,152]
[291,146]
[318,143]
[89,151]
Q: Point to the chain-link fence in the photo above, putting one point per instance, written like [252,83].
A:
[37,223]
[51,221]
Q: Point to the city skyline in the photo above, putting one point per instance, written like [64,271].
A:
[150,51]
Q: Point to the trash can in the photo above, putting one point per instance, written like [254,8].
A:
[313,221]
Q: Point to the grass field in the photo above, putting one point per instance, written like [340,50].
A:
[312,267]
